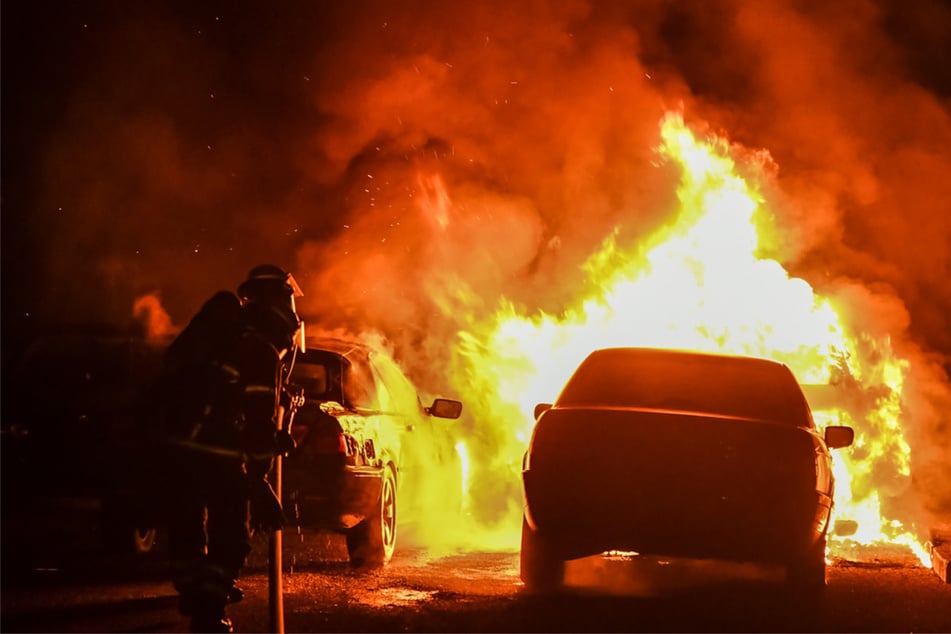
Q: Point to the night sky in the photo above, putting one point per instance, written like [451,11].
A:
[165,148]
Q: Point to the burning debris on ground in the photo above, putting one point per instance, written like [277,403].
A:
[496,190]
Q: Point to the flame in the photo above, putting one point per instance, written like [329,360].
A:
[435,199]
[463,454]
[702,283]
[156,321]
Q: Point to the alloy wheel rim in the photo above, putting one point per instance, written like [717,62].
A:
[389,513]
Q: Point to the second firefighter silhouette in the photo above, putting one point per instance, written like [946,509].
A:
[222,388]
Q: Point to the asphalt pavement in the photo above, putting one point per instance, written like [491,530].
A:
[56,578]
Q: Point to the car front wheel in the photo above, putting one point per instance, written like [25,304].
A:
[372,541]
[539,568]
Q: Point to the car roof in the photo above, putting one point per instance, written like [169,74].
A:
[671,353]
[736,385]
[339,346]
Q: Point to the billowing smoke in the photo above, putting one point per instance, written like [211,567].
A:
[414,162]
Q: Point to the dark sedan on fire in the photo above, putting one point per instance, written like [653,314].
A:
[367,448]
[678,454]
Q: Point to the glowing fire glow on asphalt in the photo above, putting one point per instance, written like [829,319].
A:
[700,283]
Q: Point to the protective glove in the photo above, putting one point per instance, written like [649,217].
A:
[284,443]
[266,512]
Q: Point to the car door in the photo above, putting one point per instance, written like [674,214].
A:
[364,420]
[410,426]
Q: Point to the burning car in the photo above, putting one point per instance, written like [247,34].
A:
[679,454]
[366,448]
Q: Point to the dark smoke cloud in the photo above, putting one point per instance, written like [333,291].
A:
[413,162]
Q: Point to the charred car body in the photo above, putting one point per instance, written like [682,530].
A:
[678,454]
[366,447]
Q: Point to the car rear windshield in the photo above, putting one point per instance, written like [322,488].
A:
[710,384]
[318,372]
[328,376]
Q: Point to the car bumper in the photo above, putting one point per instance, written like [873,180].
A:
[333,497]
[751,521]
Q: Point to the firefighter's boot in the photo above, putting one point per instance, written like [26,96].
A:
[204,603]
[210,620]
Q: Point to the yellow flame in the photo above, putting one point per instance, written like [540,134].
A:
[700,283]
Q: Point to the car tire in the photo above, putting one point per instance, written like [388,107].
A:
[123,532]
[806,576]
[143,540]
[541,571]
[372,541]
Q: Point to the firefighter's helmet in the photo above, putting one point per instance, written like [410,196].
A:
[275,288]
[268,282]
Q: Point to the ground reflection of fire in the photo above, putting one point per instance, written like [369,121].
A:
[701,282]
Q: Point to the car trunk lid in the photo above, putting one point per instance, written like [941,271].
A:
[657,478]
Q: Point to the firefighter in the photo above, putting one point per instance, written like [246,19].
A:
[222,386]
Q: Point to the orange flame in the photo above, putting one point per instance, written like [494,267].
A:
[156,321]
[700,283]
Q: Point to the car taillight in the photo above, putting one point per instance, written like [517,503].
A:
[329,443]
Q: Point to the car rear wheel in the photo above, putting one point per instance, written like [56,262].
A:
[372,541]
[540,569]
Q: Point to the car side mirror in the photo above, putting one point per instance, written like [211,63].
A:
[445,408]
[838,436]
[541,408]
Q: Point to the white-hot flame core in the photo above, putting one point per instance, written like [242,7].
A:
[463,454]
